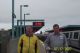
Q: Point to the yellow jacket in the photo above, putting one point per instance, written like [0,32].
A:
[28,44]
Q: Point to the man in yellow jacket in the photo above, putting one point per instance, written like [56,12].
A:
[28,42]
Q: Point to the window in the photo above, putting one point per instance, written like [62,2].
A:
[76,35]
[71,34]
[67,35]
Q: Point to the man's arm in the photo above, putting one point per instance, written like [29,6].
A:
[65,44]
[65,41]
[37,50]
[20,44]
[47,43]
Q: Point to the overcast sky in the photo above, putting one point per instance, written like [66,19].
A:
[62,12]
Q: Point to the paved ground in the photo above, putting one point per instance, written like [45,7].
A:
[12,47]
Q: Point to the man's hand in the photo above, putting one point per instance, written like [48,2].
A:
[50,49]
[47,48]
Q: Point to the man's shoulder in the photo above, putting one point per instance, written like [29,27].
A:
[61,34]
[50,34]
[35,36]
[22,35]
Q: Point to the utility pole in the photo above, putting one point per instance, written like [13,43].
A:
[20,19]
[12,18]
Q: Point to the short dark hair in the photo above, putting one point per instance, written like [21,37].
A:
[29,27]
[55,25]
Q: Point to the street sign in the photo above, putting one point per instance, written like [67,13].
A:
[38,23]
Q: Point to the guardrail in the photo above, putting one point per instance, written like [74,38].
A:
[76,50]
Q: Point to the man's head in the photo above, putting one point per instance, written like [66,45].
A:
[56,28]
[29,30]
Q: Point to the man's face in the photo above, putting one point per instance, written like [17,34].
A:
[56,29]
[29,30]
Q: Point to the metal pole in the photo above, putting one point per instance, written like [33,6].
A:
[20,19]
[12,18]
[24,23]
[17,29]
